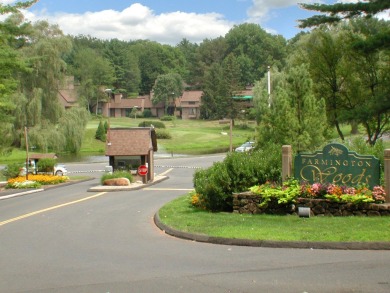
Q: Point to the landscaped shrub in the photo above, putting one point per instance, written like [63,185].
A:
[163,134]
[117,174]
[12,170]
[168,118]
[101,132]
[46,165]
[155,124]
[238,172]
[147,113]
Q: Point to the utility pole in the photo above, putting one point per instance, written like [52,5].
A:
[269,86]
[26,141]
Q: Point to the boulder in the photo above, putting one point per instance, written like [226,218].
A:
[117,182]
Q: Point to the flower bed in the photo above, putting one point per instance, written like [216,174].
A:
[322,199]
[35,181]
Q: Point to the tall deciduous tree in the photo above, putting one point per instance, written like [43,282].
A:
[249,41]
[166,89]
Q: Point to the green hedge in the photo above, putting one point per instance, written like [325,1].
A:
[156,124]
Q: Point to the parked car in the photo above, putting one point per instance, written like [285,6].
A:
[59,170]
[249,145]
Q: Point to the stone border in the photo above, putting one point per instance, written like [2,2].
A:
[268,243]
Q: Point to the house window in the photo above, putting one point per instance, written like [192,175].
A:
[191,103]
[192,111]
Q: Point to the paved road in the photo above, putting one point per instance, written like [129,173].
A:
[71,240]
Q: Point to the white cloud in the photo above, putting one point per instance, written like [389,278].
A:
[138,22]
[260,9]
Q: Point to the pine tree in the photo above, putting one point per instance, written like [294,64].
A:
[295,117]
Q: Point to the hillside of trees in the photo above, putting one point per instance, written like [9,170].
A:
[335,74]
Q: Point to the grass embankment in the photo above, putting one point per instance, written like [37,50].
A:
[180,215]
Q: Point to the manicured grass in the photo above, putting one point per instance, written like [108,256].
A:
[180,215]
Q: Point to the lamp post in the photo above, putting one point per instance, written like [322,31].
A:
[108,91]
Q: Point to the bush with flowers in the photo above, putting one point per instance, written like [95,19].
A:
[292,189]
[35,181]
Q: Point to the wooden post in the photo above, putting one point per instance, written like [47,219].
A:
[231,135]
[286,162]
[387,174]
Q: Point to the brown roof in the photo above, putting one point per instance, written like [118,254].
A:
[130,141]
[42,156]
[127,103]
[191,96]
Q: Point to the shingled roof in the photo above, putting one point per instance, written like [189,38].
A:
[136,141]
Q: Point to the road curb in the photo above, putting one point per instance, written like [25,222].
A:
[270,244]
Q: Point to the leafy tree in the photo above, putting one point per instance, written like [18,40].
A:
[295,116]
[166,89]
[367,88]
[352,82]
[207,54]
[325,52]
[92,70]
[249,41]
[156,59]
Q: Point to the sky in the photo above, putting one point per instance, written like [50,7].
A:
[168,21]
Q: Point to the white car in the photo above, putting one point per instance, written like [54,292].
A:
[59,170]
[249,145]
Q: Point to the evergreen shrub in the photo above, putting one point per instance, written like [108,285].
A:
[12,170]
[147,123]
[46,165]
[117,174]
[168,118]
[236,173]
[163,134]
[147,113]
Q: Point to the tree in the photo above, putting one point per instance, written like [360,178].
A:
[340,11]
[295,116]
[4,9]
[325,53]
[352,82]
[343,11]
[72,127]
[124,62]
[166,89]
[100,132]
[249,41]
[92,70]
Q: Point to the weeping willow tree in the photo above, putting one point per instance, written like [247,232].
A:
[72,127]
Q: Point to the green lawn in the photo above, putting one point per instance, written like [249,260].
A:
[180,215]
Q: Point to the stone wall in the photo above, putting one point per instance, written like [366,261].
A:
[248,203]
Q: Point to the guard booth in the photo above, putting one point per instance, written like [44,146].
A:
[130,148]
